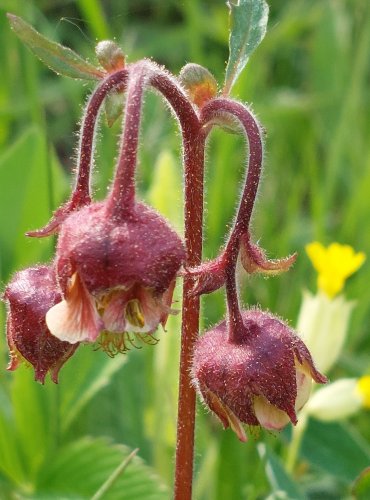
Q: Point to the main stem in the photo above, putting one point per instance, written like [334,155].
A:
[194,160]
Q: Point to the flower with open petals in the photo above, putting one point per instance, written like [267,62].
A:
[334,265]
[116,274]
[263,379]
[29,295]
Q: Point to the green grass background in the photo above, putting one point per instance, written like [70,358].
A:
[308,83]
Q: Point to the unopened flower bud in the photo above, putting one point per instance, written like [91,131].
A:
[262,380]
[110,55]
[29,296]
[199,83]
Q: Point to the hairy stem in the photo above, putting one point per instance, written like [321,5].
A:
[212,112]
[88,129]
[193,155]
[234,318]
[122,196]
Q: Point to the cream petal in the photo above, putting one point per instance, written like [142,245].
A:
[268,415]
[76,318]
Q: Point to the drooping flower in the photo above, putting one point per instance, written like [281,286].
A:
[116,274]
[264,379]
[29,296]
[341,399]
[334,265]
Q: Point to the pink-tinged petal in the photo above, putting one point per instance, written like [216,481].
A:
[268,415]
[254,260]
[167,303]
[76,318]
[114,311]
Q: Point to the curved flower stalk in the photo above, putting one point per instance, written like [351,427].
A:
[81,195]
[251,368]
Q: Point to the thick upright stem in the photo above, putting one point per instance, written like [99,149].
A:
[88,129]
[122,196]
[193,151]
[194,160]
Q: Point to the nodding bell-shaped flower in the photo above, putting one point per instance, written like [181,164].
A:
[117,274]
[29,296]
[262,379]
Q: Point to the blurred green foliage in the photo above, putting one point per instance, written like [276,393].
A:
[309,85]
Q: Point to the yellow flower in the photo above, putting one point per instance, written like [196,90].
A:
[363,388]
[334,265]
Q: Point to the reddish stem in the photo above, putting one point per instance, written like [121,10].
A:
[193,153]
[81,192]
[212,112]
[122,196]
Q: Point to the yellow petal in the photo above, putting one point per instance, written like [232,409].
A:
[363,388]
[334,265]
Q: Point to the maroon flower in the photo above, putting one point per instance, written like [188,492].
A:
[117,274]
[29,296]
[262,379]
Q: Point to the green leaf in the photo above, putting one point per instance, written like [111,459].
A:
[113,107]
[281,483]
[33,184]
[336,448]
[248,22]
[361,487]
[85,374]
[60,59]
[79,469]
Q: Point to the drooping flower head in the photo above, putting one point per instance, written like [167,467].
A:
[263,379]
[116,274]
[29,296]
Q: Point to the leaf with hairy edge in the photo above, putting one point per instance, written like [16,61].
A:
[62,60]
[248,22]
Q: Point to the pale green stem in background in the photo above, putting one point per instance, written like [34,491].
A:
[114,476]
[296,441]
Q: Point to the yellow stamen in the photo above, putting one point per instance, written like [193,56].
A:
[363,387]
[134,313]
[334,265]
